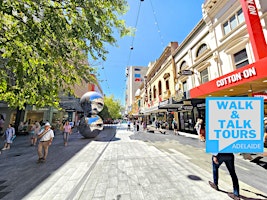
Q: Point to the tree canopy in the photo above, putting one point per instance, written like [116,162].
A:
[44,46]
[112,108]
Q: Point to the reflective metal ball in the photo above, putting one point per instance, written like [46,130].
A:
[92,103]
[90,127]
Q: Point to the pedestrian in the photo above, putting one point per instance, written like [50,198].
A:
[2,123]
[144,125]
[9,133]
[31,133]
[66,132]
[229,160]
[200,128]
[128,125]
[197,127]
[37,129]
[46,137]
[137,126]
[175,127]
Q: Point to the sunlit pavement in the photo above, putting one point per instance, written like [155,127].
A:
[123,168]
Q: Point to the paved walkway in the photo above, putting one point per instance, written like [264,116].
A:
[126,169]
[106,168]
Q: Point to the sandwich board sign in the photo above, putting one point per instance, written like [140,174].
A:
[234,124]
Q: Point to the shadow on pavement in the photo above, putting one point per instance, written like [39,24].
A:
[20,172]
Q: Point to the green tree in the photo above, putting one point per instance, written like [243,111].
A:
[112,108]
[44,46]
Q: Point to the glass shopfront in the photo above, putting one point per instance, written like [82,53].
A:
[186,121]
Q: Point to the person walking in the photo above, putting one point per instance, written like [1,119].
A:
[66,132]
[144,125]
[2,123]
[229,160]
[46,137]
[37,129]
[175,127]
[128,125]
[9,133]
[197,127]
[31,133]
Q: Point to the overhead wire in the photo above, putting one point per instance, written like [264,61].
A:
[157,24]
[132,47]
[135,27]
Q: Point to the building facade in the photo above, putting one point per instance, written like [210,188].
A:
[224,55]
[135,78]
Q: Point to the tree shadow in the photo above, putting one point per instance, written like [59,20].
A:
[20,161]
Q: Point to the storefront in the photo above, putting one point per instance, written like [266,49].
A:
[250,80]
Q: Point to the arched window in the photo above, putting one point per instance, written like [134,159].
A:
[183,65]
[154,92]
[201,49]
[160,88]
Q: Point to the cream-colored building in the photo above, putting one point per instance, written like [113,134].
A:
[205,63]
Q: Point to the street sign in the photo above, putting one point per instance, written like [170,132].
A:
[234,124]
[186,72]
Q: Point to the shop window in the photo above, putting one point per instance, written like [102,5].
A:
[204,76]
[241,58]
[233,21]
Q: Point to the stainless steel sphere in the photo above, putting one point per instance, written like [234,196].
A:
[92,103]
[90,127]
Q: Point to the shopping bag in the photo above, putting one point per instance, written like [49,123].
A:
[13,138]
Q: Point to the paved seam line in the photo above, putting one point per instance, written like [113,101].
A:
[87,174]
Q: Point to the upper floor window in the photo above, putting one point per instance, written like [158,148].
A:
[233,21]
[204,76]
[241,58]
[160,88]
[201,49]
[184,86]
[167,85]
[183,65]
[150,95]
[154,92]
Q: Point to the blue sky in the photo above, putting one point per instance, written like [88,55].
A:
[158,23]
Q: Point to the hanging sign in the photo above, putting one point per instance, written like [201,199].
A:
[234,124]
[186,72]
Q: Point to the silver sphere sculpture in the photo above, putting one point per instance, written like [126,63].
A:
[91,124]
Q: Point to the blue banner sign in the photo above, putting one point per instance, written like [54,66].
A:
[234,124]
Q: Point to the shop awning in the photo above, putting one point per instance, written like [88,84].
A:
[154,109]
[170,104]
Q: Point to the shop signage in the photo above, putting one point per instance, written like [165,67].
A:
[186,107]
[254,27]
[201,105]
[186,72]
[245,74]
[234,124]
[260,94]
